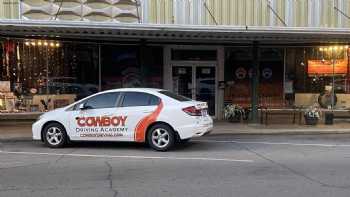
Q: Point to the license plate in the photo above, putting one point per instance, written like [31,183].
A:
[204,112]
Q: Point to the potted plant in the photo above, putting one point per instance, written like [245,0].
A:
[312,115]
[233,113]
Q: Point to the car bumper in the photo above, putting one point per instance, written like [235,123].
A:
[195,130]
[36,130]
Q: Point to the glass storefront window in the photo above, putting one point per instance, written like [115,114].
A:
[41,75]
[131,66]
[312,72]
[290,76]
[238,75]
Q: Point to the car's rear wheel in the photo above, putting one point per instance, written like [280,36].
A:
[55,135]
[161,137]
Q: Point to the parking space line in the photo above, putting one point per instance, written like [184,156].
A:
[129,156]
[273,143]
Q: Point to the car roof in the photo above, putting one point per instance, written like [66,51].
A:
[150,90]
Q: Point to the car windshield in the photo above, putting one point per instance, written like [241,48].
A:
[175,96]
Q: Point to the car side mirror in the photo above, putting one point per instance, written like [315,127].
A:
[82,106]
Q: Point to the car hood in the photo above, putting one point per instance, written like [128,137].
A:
[53,112]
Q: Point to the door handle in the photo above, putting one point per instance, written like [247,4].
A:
[107,114]
[147,112]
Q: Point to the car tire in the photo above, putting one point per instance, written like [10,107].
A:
[161,137]
[55,136]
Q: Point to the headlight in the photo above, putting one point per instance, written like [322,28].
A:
[39,117]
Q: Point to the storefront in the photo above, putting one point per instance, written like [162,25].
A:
[270,68]
[290,75]
[40,75]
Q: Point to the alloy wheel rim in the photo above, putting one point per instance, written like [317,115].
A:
[160,137]
[54,135]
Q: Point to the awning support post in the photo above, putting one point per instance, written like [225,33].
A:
[255,83]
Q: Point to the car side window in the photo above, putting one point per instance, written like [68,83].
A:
[106,100]
[132,99]
[153,100]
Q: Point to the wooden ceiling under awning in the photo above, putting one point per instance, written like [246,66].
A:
[158,33]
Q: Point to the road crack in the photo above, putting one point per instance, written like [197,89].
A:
[110,178]
[295,172]
[63,155]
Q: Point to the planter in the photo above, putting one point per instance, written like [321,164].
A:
[311,120]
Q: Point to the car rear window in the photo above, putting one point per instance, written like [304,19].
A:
[174,96]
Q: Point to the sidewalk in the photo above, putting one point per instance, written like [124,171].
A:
[22,130]
[15,130]
[223,127]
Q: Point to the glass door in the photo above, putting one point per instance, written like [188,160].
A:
[205,86]
[196,82]
[182,81]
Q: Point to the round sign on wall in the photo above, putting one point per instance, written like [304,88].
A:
[240,73]
[267,73]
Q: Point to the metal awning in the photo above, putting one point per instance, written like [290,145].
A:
[170,33]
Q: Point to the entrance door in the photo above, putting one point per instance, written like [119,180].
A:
[196,82]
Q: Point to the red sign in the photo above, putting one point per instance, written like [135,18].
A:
[316,67]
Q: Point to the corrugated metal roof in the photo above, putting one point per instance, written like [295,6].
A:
[174,33]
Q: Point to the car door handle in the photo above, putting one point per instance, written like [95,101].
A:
[147,112]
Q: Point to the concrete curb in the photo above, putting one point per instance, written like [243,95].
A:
[284,131]
[16,139]
[225,133]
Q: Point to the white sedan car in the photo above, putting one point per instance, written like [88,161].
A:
[157,117]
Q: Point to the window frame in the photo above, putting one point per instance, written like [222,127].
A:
[122,97]
[116,104]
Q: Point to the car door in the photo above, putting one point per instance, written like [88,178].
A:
[99,119]
[139,107]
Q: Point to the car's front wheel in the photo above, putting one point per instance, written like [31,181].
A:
[161,137]
[55,135]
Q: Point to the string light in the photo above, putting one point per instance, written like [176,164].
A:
[41,43]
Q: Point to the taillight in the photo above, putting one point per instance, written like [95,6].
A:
[192,111]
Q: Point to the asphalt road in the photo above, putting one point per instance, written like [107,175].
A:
[227,165]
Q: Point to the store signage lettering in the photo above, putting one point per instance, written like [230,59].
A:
[101,121]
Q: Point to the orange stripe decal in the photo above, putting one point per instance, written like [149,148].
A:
[140,130]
